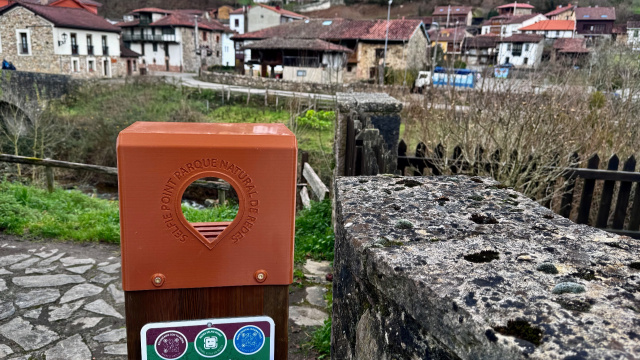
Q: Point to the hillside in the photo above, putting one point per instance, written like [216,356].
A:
[368,9]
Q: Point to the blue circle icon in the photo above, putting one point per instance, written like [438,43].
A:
[248,340]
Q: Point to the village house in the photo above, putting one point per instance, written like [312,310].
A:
[166,39]
[551,29]
[572,51]
[494,25]
[60,40]
[449,40]
[262,16]
[633,34]
[566,12]
[407,42]
[237,20]
[521,50]
[448,16]
[512,25]
[515,9]
[301,60]
[131,58]
[89,5]
[221,14]
[480,51]
[595,22]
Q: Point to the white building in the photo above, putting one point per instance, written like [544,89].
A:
[512,25]
[633,34]
[521,50]
[551,29]
[237,20]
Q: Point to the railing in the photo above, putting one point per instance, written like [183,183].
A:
[303,61]
[74,49]
[89,49]
[149,37]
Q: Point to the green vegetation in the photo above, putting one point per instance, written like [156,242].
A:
[69,215]
[218,213]
[314,235]
[321,338]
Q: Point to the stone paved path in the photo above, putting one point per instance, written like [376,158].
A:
[63,300]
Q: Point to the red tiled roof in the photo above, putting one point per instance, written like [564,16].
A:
[297,44]
[517,5]
[550,25]
[68,17]
[523,38]
[455,10]
[338,29]
[283,12]
[570,46]
[520,19]
[151,9]
[448,34]
[559,10]
[595,13]
[237,11]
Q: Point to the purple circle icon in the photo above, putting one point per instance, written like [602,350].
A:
[171,345]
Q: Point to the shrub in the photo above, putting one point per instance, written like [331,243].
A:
[314,234]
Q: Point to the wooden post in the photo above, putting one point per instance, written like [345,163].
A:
[222,197]
[248,95]
[48,171]
[266,94]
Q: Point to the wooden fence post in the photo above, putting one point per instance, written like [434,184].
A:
[567,195]
[587,192]
[607,195]
[624,191]
[48,171]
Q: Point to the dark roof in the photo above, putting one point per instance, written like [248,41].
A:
[186,20]
[237,11]
[126,52]
[67,17]
[570,46]
[151,9]
[297,44]
[338,29]
[283,12]
[520,19]
[559,10]
[481,42]
[619,29]
[523,38]
[49,2]
[633,24]
[455,10]
[122,24]
[595,13]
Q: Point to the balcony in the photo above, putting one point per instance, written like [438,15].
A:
[74,49]
[89,49]
[149,37]
[105,50]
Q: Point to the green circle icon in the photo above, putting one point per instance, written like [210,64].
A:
[210,342]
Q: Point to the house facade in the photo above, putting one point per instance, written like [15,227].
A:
[562,12]
[59,40]
[512,26]
[521,50]
[595,22]
[481,50]
[551,29]
[450,40]
[515,9]
[448,16]
[406,49]
[633,34]
[167,40]
[262,16]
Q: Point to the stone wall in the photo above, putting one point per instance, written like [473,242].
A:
[409,55]
[462,268]
[191,60]
[277,84]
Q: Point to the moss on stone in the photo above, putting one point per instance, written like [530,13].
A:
[568,287]
[476,198]
[404,224]
[521,329]
[548,268]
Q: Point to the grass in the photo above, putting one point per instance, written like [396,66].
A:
[314,234]
[321,338]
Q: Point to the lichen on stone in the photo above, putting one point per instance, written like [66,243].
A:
[568,287]
[548,268]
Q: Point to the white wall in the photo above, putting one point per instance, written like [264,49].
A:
[510,29]
[633,38]
[553,34]
[232,21]
[260,18]
[533,54]
[175,52]
[113,42]
[228,51]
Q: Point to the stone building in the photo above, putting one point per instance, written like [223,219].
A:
[262,16]
[407,42]
[566,12]
[59,40]
[166,39]
[447,16]
[515,9]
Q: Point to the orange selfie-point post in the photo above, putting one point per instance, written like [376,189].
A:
[173,270]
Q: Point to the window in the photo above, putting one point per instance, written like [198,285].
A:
[526,47]
[142,48]
[379,53]
[517,50]
[525,61]
[507,60]
[552,34]
[509,47]
[75,67]
[635,33]
[168,31]
[74,44]
[105,47]
[236,22]
[217,53]
[217,39]
[155,47]
[204,36]
[135,65]
[24,43]
[372,72]
[349,68]
[301,73]
[91,64]
[89,45]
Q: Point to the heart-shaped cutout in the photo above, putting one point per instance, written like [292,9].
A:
[210,207]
